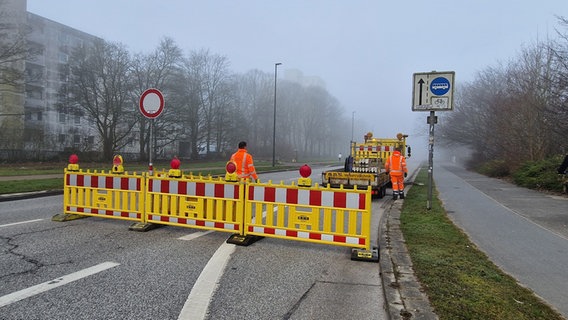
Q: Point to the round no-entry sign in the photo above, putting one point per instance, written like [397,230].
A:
[151,103]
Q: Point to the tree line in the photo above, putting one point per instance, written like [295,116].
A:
[208,107]
[516,111]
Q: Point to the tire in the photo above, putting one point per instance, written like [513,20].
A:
[348,164]
[380,192]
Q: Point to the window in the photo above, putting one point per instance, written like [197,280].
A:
[63,57]
[77,119]
[61,138]
[61,117]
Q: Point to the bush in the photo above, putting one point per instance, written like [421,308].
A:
[494,168]
[539,175]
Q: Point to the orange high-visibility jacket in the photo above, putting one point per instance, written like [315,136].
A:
[245,165]
[396,164]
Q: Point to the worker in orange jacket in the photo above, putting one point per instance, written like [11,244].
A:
[243,161]
[396,167]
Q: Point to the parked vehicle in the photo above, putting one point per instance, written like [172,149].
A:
[365,165]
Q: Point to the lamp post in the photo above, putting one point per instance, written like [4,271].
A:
[274,125]
[352,123]
[352,126]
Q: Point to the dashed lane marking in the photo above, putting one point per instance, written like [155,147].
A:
[21,222]
[40,288]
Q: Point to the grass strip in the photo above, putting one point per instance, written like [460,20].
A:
[18,186]
[460,281]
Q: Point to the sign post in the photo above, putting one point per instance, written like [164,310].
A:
[151,106]
[432,91]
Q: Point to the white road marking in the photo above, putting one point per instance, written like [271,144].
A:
[16,223]
[195,235]
[37,289]
[197,303]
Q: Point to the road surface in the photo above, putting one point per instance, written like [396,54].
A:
[96,268]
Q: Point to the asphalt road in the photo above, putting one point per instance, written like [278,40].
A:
[522,231]
[96,268]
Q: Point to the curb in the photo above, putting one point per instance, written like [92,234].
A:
[404,295]
[29,195]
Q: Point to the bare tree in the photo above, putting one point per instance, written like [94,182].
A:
[255,92]
[558,108]
[101,87]
[13,45]
[159,70]
[503,114]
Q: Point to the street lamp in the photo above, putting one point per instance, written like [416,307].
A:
[274,127]
[352,126]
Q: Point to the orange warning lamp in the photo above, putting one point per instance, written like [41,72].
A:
[73,163]
[231,175]
[117,164]
[175,172]
[305,180]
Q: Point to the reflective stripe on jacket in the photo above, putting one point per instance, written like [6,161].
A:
[245,165]
[396,164]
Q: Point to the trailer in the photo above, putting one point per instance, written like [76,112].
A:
[365,165]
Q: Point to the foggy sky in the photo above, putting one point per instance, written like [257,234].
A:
[365,50]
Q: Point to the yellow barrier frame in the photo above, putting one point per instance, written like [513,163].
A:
[195,202]
[310,214]
[105,195]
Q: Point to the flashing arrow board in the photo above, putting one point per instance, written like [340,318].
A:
[433,91]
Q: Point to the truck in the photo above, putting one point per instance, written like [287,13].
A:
[365,165]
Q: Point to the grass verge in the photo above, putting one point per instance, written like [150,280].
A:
[460,281]
[17,186]
[30,185]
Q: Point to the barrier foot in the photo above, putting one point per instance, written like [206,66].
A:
[243,240]
[365,255]
[143,226]
[62,217]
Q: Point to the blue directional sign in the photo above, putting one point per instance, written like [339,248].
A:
[433,91]
[440,86]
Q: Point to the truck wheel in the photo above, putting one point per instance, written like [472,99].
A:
[380,192]
[348,164]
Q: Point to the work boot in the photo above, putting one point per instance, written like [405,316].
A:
[395,195]
[402,195]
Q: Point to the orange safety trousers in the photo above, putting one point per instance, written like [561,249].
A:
[397,182]
[396,166]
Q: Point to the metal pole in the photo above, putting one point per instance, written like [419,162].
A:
[352,128]
[151,148]
[274,125]
[352,124]
[431,121]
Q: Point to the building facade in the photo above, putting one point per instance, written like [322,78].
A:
[34,118]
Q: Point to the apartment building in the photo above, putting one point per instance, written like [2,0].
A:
[34,118]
